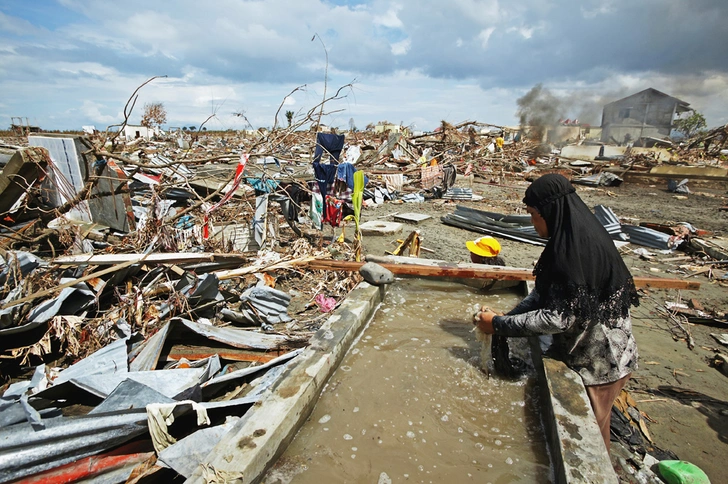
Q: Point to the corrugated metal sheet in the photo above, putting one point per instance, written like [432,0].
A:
[458,194]
[647,237]
[109,360]
[25,451]
[167,382]
[609,220]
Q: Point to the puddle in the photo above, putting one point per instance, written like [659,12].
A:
[409,402]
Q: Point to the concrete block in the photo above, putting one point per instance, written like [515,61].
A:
[380,227]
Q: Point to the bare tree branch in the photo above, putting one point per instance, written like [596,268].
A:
[127,113]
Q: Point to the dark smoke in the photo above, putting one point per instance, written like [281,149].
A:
[538,109]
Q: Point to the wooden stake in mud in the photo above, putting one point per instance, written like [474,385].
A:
[412,241]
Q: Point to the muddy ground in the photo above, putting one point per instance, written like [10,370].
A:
[685,397]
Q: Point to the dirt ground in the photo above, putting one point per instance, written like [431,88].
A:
[685,397]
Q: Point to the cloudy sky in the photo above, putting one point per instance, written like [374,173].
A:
[67,63]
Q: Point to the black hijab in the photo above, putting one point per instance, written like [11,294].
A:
[580,271]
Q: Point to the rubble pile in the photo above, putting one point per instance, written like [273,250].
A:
[158,287]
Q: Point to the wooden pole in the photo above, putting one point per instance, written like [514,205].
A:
[486,272]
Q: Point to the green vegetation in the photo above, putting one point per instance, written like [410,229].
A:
[691,125]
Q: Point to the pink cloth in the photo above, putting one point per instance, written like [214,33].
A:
[325,303]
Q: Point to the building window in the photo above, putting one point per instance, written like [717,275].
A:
[624,113]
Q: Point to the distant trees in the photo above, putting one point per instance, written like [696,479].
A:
[154,115]
[691,125]
[289,117]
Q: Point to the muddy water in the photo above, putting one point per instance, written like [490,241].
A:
[410,404]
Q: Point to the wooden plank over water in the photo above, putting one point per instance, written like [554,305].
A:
[471,271]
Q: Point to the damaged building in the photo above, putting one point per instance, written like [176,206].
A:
[646,114]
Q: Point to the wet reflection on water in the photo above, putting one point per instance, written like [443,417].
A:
[409,402]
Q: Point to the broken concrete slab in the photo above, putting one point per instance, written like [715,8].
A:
[380,227]
[697,171]
[579,454]
[411,217]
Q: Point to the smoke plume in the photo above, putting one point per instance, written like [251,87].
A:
[537,110]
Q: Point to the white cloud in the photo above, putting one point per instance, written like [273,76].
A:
[232,56]
[525,32]
[401,48]
[389,18]
[17,26]
[603,7]
[485,12]
[92,112]
[484,36]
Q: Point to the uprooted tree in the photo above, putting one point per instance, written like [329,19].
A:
[691,125]
[154,115]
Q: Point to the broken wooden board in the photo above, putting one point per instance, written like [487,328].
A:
[447,269]
[380,227]
[156,258]
[410,217]
[19,174]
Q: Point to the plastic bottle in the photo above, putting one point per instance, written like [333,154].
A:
[682,472]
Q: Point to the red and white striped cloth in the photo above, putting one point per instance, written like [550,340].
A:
[231,191]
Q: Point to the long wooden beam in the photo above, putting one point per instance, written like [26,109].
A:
[154,258]
[486,272]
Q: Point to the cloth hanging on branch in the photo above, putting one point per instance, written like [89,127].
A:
[431,176]
[228,195]
[325,177]
[333,211]
[328,143]
[317,211]
[393,183]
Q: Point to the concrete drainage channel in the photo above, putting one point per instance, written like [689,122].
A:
[255,442]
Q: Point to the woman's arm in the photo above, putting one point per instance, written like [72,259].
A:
[532,323]
[528,303]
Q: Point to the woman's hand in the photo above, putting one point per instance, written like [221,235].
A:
[483,319]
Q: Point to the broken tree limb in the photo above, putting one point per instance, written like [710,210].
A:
[281,264]
[686,330]
[470,271]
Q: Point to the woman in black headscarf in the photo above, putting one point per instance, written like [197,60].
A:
[583,294]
